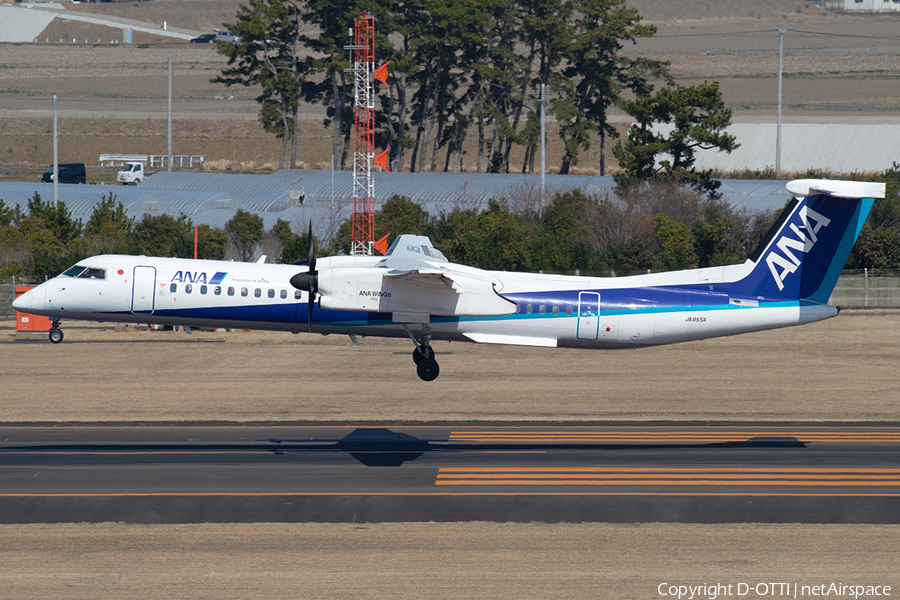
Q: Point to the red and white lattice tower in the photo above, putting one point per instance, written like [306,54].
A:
[363,58]
[363,54]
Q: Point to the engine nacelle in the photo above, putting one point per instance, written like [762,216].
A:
[439,294]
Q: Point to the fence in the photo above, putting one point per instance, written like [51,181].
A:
[155,160]
[8,291]
[862,289]
[855,289]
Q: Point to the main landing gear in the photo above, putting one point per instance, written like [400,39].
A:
[56,334]
[426,366]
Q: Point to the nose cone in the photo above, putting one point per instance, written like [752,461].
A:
[23,302]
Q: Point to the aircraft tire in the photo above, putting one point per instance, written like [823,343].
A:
[428,370]
[418,358]
[56,335]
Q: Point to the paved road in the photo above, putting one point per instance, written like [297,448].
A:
[617,473]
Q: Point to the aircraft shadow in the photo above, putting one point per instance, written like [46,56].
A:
[381,447]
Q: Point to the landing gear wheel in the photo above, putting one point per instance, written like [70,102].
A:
[428,370]
[418,357]
[56,335]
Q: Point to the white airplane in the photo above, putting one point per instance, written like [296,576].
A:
[414,291]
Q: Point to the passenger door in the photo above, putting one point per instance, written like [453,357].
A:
[588,316]
[143,290]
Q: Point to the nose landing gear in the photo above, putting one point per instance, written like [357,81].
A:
[56,334]
[427,367]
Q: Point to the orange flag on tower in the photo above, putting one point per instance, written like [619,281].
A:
[381,73]
[381,160]
[381,245]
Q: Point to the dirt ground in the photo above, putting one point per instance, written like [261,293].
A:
[436,560]
[841,369]
[112,98]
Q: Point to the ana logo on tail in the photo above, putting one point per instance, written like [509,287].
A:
[811,223]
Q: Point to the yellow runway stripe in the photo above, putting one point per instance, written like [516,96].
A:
[669,482]
[444,493]
[667,477]
[657,436]
[665,470]
[644,476]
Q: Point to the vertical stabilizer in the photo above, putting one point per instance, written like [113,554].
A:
[804,253]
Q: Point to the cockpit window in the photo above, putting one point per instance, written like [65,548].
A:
[74,271]
[85,272]
[92,273]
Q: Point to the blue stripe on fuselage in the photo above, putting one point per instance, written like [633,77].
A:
[620,301]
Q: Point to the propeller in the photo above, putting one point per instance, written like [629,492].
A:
[309,281]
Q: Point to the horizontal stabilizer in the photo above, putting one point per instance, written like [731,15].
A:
[851,190]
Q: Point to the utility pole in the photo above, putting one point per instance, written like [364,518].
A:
[170,114]
[55,157]
[543,144]
[778,126]
[542,101]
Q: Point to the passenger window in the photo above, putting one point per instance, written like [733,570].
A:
[542,309]
[283,294]
[529,309]
[244,292]
[568,311]
[218,290]
[187,288]
[555,310]
[231,291]
[257,293]
[203,289]
[271,293]
[297,295]
[173,287]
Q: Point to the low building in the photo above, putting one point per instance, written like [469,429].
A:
[864,5]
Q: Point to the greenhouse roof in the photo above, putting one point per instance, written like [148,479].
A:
[214,198]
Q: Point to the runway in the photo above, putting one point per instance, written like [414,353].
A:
[663,472]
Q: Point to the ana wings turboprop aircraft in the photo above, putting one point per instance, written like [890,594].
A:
[414,291]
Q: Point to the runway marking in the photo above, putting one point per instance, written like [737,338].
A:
[716,476]
[442,493]
[687,435]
